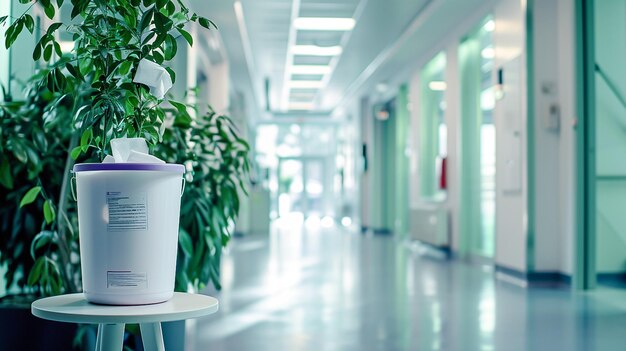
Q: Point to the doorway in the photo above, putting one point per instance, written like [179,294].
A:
[478,143]
[301,187]
[601,239]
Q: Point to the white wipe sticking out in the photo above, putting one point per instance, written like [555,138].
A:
[130,150]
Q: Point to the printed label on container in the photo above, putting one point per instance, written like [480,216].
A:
[127,279]
[127,211]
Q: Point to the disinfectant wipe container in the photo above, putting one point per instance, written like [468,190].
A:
[128,220]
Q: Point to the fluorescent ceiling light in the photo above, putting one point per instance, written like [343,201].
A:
[488,52]
[300,105]
[490,26]
[437,85]
[323,23]
[309,69]
[315,50]
[305,83]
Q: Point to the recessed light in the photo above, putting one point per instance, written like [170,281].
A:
[305,83]
[488,52]
[309,69]
[490,26]
[437,85]
[300,105]
[315,50]
[324,23]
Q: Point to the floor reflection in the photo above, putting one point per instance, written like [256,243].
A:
[320,288]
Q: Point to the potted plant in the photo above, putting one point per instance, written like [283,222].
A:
[94,82]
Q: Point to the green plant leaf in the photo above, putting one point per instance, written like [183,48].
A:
[186,35]
[6,178]
[49,11]
[44,237]
[170,47]
[172,74]
[125,67]
[35,272]
[3,19]
[37,52]
[85,139]
[186,244]
[30,196]
[75,152]
[171,8]
[53,27]
[29,23]
[48,211]
[57,49]
[47,53]
[206,23]
[145,19]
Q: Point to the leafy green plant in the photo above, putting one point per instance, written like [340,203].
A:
[112,37]
[91,91]
[33,146]
[217,166]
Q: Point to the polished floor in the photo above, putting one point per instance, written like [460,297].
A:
[329,289]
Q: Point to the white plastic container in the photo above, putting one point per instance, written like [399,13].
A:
[128,220]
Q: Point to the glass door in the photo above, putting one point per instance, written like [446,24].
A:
[302,185]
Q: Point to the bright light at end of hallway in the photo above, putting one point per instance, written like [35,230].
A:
[327,221]
[437,85]
[324,23]
[346,221]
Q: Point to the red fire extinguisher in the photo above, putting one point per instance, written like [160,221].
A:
[442,177]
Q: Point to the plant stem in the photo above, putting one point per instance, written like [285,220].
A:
[68,274]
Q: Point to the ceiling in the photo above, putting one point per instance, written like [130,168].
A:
[388,35]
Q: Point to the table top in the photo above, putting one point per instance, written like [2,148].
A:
[75,308]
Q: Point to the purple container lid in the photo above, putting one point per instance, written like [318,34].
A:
[160,167]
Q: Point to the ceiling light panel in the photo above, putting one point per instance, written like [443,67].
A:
[324,23]
[312,91]
[325,8]
[312,60]
[309,69]
[307,77]
[321,38]
[305,84]
[300,105]
[315,50]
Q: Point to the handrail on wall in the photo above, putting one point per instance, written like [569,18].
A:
[611,85]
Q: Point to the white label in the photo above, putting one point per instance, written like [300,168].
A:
[127,211]
[126,279]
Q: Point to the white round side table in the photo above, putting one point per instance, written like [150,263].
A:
[74,308]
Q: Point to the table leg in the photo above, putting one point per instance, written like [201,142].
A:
[152,336]
[110,337]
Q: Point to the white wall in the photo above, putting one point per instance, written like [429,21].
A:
[509,43]
[567,98]
[548,234]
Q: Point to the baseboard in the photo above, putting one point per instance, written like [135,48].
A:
[536,279]
[612,279]
[376,231]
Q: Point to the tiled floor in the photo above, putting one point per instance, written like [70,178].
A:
[330,289]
